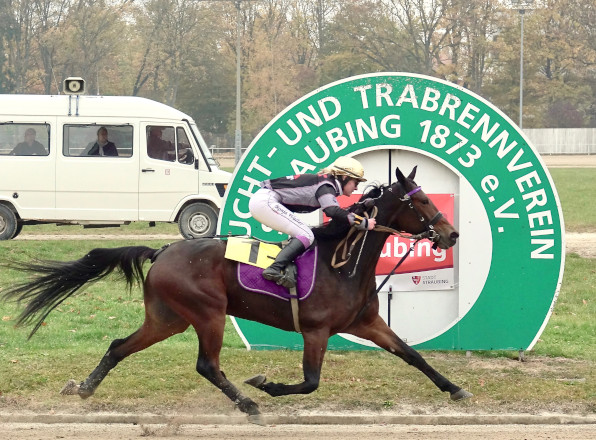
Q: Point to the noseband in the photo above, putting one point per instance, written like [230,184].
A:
[429,226]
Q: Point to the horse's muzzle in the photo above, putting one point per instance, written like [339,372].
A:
[453,238]
[447,241]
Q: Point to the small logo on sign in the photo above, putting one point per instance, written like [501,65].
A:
[416,279]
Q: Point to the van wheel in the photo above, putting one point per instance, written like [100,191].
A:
[8,223]
[197,220]
[19,229]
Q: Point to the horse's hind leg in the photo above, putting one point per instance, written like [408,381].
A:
[160,323]
[379,332]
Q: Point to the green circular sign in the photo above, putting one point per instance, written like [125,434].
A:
[521,239]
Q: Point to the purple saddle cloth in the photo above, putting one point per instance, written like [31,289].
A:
[251,278]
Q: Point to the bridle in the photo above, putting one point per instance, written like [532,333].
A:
[429,229]
[429,225]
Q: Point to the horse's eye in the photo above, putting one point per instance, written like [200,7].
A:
[425,201]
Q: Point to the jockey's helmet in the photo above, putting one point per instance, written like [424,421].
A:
[346,166]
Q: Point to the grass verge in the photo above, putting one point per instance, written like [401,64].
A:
[574,186]
[559,374]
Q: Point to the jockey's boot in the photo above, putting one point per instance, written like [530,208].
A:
[276,272]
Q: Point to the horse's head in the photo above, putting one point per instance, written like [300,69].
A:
[405,207]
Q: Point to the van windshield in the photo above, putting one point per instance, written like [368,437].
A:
[203,146]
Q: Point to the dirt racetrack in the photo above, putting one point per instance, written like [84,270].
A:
[296,432]
[569,161]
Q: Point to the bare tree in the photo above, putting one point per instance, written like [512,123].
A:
[90,38]
[48,17]
[471,47]
[428,28]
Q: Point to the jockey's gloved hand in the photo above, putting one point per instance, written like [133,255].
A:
[370,224]
[364,224]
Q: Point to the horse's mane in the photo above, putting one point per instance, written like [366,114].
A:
[334,229]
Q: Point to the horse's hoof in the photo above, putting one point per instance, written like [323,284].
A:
[85,393]
[461,394]
[70,389]
[257,419]
[256,381]
[248,406]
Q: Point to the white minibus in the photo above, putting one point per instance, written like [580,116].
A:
[103,161]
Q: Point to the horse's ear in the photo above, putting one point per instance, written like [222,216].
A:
[413,173]
[400,176]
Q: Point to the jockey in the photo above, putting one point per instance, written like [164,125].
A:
[276,201]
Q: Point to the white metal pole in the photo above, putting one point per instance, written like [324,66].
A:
[238,137]
[521,70]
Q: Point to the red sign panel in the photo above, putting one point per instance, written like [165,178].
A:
[423,257]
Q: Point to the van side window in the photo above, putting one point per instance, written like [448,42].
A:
[184,149]
[24,139]
[160,143]
[96,140]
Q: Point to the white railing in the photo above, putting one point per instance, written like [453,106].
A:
[545,140]
[563,140]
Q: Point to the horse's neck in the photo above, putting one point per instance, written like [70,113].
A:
[364,255]
[371,251]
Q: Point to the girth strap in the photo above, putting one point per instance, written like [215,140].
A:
[295,307]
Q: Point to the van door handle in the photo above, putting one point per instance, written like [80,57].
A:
[148,170]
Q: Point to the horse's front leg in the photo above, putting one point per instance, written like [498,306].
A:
[210,342]
[377,331]
[315,345]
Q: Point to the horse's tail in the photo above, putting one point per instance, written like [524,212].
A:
[55,281]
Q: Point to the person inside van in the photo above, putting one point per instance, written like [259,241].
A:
[29,147]
[158,148]
[102,147]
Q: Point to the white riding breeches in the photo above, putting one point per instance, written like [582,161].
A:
[265,207]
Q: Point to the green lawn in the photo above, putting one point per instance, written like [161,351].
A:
[575,186]
[559,374]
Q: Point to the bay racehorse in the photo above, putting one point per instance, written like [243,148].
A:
[191,283]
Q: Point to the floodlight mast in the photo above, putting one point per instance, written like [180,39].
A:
[521,6]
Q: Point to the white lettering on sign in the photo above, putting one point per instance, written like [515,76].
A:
[463,133]
[306,121]
[500,212]
[397,249]
[331,138]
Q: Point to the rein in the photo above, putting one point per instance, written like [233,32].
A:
[342,246]
[346,251]
[399,263]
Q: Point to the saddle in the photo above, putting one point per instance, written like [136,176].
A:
[259,256]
